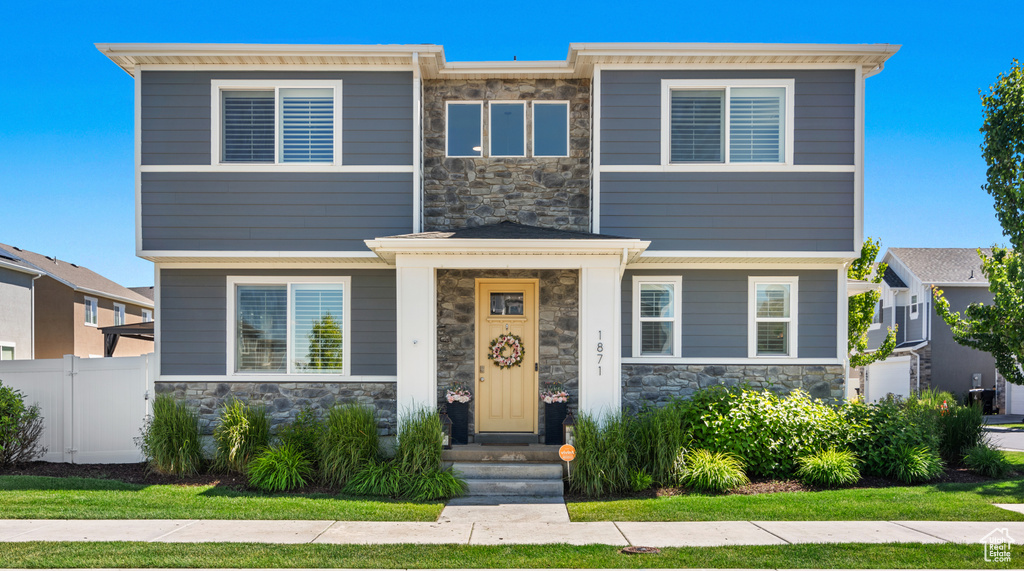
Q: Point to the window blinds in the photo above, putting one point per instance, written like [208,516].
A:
[697,124]
[262,325]
[307,125]
[248,126]
[756,125]
[317,326]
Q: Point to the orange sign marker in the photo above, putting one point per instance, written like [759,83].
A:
[567,452]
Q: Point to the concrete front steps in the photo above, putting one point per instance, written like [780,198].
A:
[533,470]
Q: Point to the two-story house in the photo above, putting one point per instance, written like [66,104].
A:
[368,222]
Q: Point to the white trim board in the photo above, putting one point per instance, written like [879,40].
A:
[730,167]
[280,167]
[729,361]
[276,378]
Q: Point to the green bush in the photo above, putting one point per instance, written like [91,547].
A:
[880,433]
[349,442]
[170,438]
[656,436]
[280,468]
[21,427]
[602,464]
[961,428]
[640,480]
[419,442]
[303,433]
[829,468]
[912,464]
[432,485]
[707,471]
[243,432]
[987,461]
[766,431]
[376,479]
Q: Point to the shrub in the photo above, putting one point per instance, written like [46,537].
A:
[961,428]
[21,427]
[432,485]
[880,433]
[707,471]
[602,464]
[913,464]
[376,479]
[657,435]
[829,468]
[987,461]
[640,480]
[243,432]
[170,438]
[303,433]
[349,442]
[419,442]
[280,468]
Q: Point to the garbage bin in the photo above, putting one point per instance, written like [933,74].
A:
[985,397]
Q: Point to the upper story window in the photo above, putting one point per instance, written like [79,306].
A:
[118,314]
[772,317]
[465,129]
[147,315]
[507,129]
[92,309]
[727,122]
[6,352]
[656,317]
[550,128]
[876,317]
[276,122]
[913,307]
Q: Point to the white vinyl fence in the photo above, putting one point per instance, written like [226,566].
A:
[93,409]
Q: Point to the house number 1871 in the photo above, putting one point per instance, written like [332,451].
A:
[600,351]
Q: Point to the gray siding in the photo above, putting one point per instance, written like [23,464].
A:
[714,312]
[823,115]
[876,336]
[953,364]
[193,319]
[16,312]
[731,211]
[377,115]
[273,211]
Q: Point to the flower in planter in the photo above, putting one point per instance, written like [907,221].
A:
[553,392]
[458,392]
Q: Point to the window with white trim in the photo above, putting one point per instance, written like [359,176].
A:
[550,128]
[508,128]
[294,325]
[6,352]
[276,122]
[772,316]
[727,122]
[465,129]
[913,307]
[92,309]
[876,316]
[118,314]
[656,316]
[147,315]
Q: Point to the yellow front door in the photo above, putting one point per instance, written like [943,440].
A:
[506,396]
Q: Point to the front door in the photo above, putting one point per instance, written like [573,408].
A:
[506,391]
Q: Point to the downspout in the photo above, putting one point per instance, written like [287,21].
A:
[32,320]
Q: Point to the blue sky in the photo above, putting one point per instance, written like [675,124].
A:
[66,178]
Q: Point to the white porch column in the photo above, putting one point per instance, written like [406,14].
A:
[600,367]
[417,336]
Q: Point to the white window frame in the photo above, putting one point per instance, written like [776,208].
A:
[147,315]
[533,123]
[490,125]
[447,127]
[914,313]
[232,285]
[96,311]
[753,320]
[119,310]
[218,86]
[12,346]
[677,331]
[881,315]
[670,85]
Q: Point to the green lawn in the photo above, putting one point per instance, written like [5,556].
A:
[39,497]
[1013,425]
[949,502]
[223,555]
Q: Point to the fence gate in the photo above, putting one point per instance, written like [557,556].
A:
[93,409]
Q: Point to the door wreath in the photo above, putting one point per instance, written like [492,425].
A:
[510,343]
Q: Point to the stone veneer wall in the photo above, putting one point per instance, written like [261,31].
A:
[552,192]
[285,400]
[659,384]
[456,329]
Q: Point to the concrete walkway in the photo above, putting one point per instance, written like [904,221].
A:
[459,530]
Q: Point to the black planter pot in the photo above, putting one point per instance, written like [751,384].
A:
[554,415]
[459,413]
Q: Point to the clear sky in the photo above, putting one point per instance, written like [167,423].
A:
[66,176]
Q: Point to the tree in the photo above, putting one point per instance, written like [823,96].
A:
[862,309]
[325,344]
[998,328]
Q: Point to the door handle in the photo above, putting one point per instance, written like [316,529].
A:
[481,379]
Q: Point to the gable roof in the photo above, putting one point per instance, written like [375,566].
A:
[12,262]
[76,277]
[892,279]
[944,265]
[145,291]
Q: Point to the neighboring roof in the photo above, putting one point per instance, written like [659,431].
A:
[943,265]
[506,231]
[431,60]
[892,279]
[12,262]
[77,277]
[147,292]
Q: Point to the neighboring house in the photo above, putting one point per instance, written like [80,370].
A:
[66,305]
[363,222]
[926,355]
[16,291]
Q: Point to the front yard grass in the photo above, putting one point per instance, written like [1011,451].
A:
[234,555]
[41,497]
